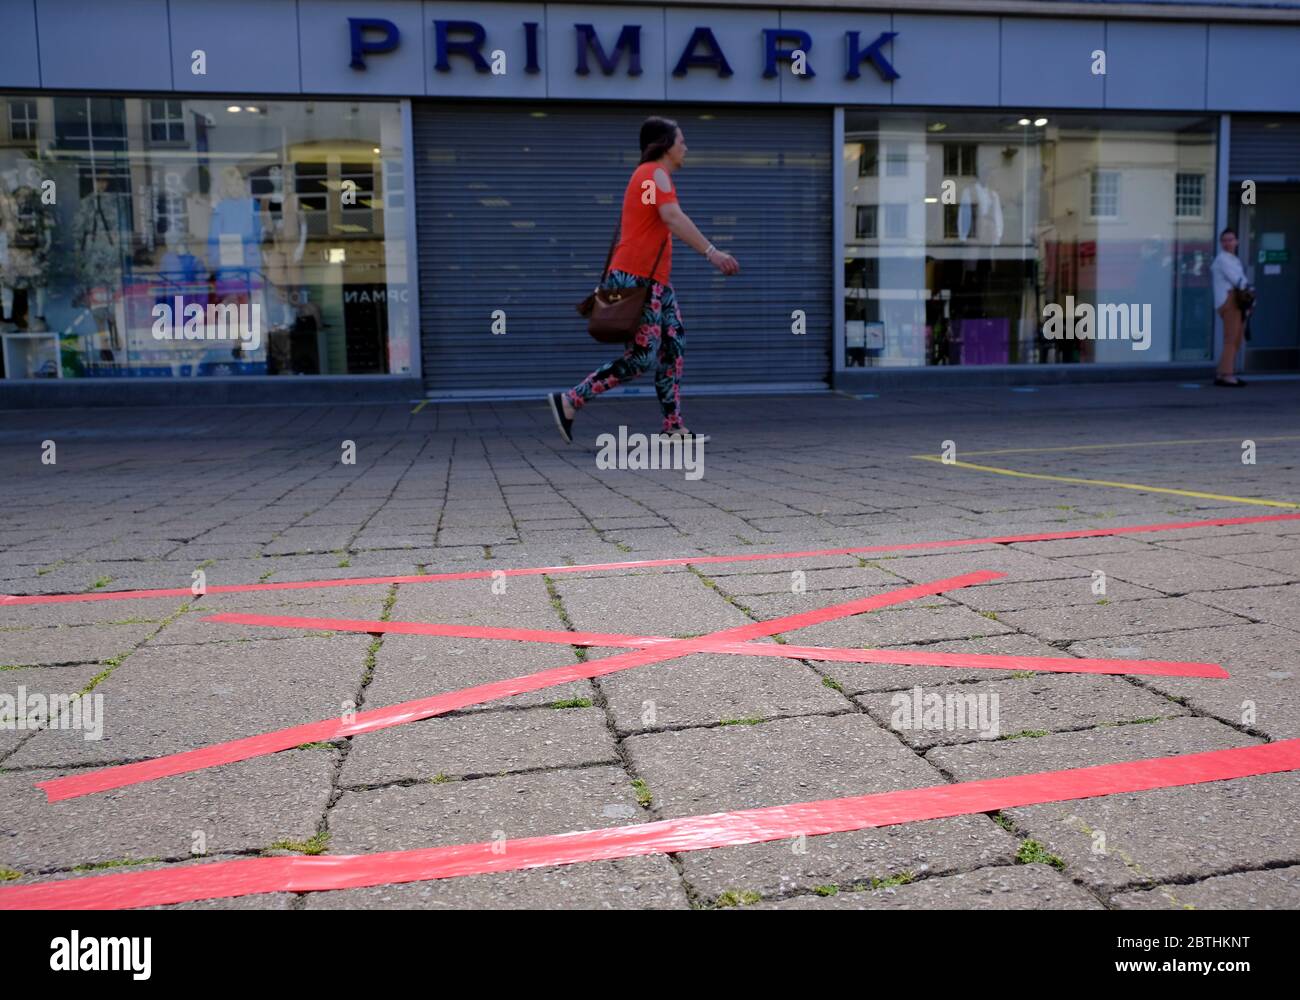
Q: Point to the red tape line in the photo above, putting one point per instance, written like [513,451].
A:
[85,783]
[227,879]
[123,595]
[987,661]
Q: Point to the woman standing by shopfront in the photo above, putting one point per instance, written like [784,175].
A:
[1229,279]
[651,216]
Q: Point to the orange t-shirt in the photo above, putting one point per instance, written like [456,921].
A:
[643,233]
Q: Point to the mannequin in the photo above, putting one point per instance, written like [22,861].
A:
[234,231]
[986,201]
[100,233]
[28,228]
[287,226]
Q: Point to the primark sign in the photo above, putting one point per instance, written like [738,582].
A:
[467,46]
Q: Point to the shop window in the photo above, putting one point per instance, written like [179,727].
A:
[1029,231]
[1189,196]
[1104,199]
[175,208]
[22,121]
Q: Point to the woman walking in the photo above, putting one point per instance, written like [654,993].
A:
[651,216]
[1229,277]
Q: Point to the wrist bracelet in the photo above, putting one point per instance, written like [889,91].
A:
[710,251]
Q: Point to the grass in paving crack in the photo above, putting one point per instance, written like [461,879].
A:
[643,796]
[9,874]
[1003,822]
[102,582]
[1025,734]
[313,845]
[1032,852]
[572,703]
[833,684]
[890,881]
[740,722]
[826,890]
[733,897]
[439,779]
[96,866]
[316,746]
[1022,674]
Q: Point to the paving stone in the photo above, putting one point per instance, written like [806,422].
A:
[1274,605]
[1183,572]
[894,626]
[702,771]
[240,807]
[70,644]
[172,698]
[45,681]
[407,817]
[1271,889]
[999,597]
[479,744]
[677,605]
[1087,619]
[1163,835]
[1000,709]
[1262,691]
[814,580]
[708,688]
[408,667]
[1024,887]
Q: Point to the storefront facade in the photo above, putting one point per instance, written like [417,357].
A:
[333,199]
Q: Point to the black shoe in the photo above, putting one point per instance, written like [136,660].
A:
[1228,385]
[556,400]
[686,436]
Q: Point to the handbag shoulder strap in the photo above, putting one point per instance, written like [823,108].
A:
[612,244]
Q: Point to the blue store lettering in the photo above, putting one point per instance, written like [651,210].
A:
[465,40]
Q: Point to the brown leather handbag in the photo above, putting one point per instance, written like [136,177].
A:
[613,314]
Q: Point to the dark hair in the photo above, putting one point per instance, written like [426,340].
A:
[658,135]
[1227,231]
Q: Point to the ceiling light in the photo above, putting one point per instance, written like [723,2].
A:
[1040,122]
[234,109]
[1024,121]
[932,201]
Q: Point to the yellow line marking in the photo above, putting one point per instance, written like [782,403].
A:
[423,404]
[1124,444]
[1105,482]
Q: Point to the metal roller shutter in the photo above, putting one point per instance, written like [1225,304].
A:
[1264,149]
[516,206]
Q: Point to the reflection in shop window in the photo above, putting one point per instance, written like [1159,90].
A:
[1105,194]
[1037,221]
[22,121]
[866,222]
[191,206]
[1189,196]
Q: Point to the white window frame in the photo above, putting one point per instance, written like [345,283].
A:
[1094,177]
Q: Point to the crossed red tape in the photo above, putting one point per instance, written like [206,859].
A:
[308,874]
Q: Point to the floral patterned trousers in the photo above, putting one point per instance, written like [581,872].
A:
[660,341]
